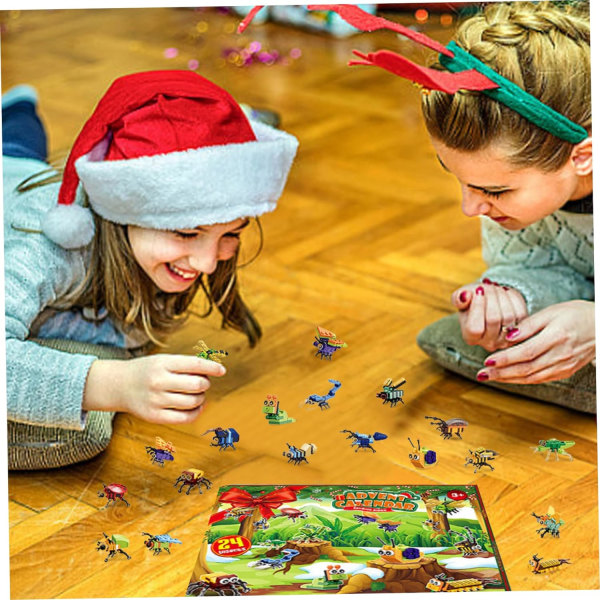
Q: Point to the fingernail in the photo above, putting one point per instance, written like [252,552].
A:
[479,291]
[486,280]
[223,370]
[463,296]
[483,376]
[505,287]
[512,333]
[495,283]
[490,362]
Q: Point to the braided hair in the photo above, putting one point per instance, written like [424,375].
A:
[543,47]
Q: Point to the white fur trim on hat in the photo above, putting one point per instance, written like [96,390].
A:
[70,226]
[203,186]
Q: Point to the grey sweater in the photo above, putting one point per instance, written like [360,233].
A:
[44,386]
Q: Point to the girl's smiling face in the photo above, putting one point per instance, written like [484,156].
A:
[513,197]
[175,259]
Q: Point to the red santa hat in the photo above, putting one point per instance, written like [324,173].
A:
[168,150]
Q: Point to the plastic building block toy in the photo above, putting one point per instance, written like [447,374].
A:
[363,440]
[553,446]
[275,563]
[322,401]
[162,452]
[218,583]
[327,343]
[449,427]
[203,351]
[443,583]
[539,565]
[113,545]
[550,523]
[192,478]
[292,513]
[333,578]
[480,458]
[113,492]
[467,542]
[391,393]
[158,543]
[274,414]
[298,455]
[421,457]
[224,438]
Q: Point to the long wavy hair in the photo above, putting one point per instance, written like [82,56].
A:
[114,280]
[545,49]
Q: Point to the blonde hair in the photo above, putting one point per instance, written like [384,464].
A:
[114,280]
[545,49]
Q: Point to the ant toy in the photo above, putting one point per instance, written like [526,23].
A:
[363,440]
[322,401]
[224,438]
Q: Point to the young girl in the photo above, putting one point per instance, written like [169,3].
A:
[102,263]
[508,109]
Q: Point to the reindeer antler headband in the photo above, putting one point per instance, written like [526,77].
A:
[466,71]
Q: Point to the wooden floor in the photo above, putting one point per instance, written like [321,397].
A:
[369,242]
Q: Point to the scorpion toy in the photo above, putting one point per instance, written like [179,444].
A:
[298,455]
[327,343]
[158,543]
[224,438]
[322,401]
[550,523]
[391,393]
[447,428]
[480,458]
[113,545]
[218,583]
[553,446]
[363,440]
[275,563]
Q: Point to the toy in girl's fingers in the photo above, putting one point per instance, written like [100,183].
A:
[158,543]
[391,393]
[327,343]
[113,492]
[224,438]
[113,545]
[203,351]
[323,401]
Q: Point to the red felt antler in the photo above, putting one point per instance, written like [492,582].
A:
[428,78]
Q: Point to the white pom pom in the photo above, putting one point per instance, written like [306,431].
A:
[69,226]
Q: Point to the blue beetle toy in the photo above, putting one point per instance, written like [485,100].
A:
[363,440]
[224,438]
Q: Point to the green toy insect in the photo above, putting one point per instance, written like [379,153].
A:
[553,446]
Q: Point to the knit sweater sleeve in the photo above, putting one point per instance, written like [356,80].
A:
[549,262]
[44,386]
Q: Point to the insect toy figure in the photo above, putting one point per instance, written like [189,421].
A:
[539,565]
[447,507]
[113,545]
[224,438]
[480,458]
[389,526]
[553,446]
[273,414]
[333,578]
[467,543]
[275,563]
[162,452]
[310,533]
[113,492]
[443,583]
[391,553]
[203,351]
[327,343]
[550,523]
[363,440]
[422,457]
[261,524]
[158,543]
[447,428]
[192,478]
[292,513]
[221,584]
[298,455]
[391,393]
[322,401]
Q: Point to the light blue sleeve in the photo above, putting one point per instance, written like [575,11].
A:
[549,262]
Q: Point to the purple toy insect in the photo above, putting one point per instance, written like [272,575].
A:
[327,343]
[113,492]
[163,451]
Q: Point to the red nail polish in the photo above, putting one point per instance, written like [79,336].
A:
[490,362]
[482,376]
[486,280]
[479,291]
[505,287]
[495,283]
[463,296]
[512,333]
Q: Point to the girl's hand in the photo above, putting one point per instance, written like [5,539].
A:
[487,311]
[162,388]
[552,344]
